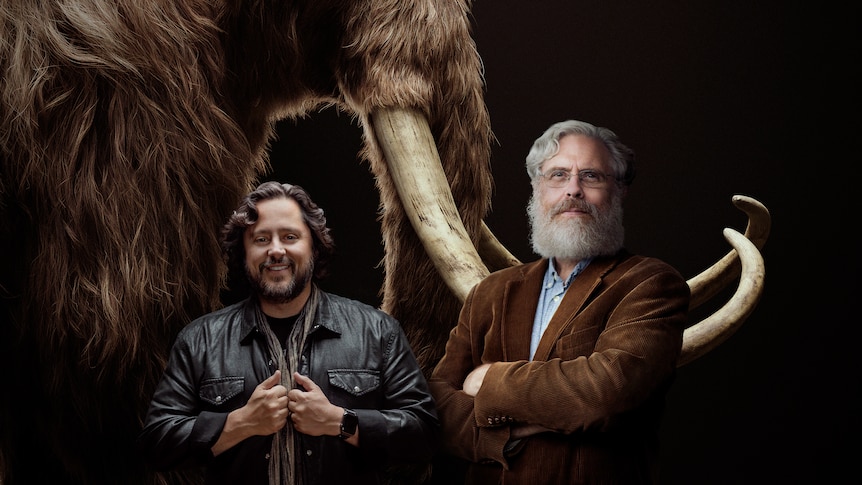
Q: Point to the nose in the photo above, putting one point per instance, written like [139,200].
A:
[574,188]
[276,250]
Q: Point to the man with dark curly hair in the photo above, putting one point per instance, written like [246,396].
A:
[292,385]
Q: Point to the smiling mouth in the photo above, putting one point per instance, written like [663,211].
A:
[276,266]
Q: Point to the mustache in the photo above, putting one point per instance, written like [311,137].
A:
[278,262]
[573,204]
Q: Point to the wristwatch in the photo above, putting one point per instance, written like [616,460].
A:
[348,424]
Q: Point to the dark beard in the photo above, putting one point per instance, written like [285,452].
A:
[576,240]
[281,294]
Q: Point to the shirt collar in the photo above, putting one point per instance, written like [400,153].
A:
[551,274]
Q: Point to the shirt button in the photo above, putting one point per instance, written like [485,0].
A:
[218,398]
[266,456]
[356,389]
[308,452]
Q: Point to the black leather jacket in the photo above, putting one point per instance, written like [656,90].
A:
[358,356]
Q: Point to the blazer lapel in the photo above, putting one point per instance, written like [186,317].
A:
[520,300]
[573,302]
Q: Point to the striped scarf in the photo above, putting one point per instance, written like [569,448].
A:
[283,466]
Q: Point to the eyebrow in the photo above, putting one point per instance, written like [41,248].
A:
[566,169]
[278,230]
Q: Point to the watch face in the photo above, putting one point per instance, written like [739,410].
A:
[348,423]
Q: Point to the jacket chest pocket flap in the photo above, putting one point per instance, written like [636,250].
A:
[581,342]
[354,381]
[220,390]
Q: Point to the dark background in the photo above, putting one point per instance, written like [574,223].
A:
[716,98]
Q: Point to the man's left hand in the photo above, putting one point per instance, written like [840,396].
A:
[310,410]
[474,379]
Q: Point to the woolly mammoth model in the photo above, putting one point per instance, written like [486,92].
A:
[130,129]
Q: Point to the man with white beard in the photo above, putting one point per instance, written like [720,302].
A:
[557,370]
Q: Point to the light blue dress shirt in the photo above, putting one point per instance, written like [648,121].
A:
[553,290]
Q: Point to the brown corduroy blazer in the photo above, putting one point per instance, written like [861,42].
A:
[599,376]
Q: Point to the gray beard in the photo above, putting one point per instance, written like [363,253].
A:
[576,239]
[281,294]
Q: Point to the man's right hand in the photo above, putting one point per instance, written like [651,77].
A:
[264,414]
[266,409]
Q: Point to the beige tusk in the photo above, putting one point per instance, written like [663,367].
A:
[707,334]
[718,276]
[414,165]
[493,253]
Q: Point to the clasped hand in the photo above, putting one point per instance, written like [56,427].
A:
[271,405]
[310,409]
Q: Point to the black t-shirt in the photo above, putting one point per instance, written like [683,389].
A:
[281,327]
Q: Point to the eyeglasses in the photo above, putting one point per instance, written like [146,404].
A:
[588,178]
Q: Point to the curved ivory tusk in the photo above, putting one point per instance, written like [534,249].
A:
[715,278]
[493,253]
[425,194]
[715,329]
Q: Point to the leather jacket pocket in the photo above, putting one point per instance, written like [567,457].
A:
[357,382]
[218,391]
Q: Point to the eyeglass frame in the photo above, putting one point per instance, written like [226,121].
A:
[580,174]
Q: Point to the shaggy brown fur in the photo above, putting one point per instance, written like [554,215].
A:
[130,128]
